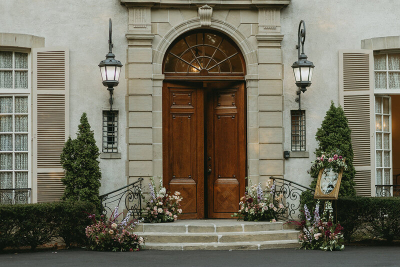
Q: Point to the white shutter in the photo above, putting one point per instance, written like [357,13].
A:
[356,94]
[50,121]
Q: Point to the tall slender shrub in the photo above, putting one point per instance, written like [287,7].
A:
[335,134]
[82,171]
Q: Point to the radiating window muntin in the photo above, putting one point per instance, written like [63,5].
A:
[204,53]
[14,147]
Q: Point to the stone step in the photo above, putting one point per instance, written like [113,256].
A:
[221,237]
[208,227]
[219,234]
[225,246]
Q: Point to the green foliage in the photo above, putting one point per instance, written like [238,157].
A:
[334,135]
[376,217]
[82,171]
[37,224]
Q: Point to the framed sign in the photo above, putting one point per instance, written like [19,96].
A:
[328,184]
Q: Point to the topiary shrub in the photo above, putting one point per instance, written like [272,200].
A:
[82,171]
[333,135]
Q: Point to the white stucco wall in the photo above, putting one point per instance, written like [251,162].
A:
[81,26]
[330,26]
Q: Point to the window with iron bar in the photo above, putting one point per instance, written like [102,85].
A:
[110,131]
[298,134]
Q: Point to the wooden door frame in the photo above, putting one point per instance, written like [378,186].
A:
[203,205]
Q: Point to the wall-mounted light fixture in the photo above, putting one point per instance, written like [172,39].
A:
[302,68]
[110,68]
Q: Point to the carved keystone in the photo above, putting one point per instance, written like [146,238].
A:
[205,14]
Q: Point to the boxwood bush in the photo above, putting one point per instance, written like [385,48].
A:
[373,216]
[37,224]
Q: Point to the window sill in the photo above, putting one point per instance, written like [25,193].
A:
[110,155]
[299,154]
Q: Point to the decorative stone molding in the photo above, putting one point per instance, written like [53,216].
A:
[381,43]
[205,14]
[269,20]
[140,20]
[243,4]
[21,40]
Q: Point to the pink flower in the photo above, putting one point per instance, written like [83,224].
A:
[330,160]
[317,236]
[273,220]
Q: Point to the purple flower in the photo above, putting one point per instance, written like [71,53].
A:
[259,192]
[152,194]
[307,213]
[327,233]
[316,215]
[250,200]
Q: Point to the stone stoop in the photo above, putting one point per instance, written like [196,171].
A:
[217,235]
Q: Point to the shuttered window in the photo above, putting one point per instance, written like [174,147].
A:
[356,89]
[50,121]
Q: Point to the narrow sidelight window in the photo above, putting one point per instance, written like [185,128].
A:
[110,131]
[298,130]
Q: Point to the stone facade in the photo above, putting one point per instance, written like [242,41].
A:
[255,29]
[265,32]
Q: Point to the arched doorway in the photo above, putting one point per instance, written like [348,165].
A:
[204,123]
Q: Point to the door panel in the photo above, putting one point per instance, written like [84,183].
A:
[189,109]
[183,146]
[225,124]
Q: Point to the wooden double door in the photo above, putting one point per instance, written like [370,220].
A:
[204,146]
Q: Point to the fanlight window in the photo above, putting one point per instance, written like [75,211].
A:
[204,53]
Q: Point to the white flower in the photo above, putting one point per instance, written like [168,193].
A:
[155,208]
[281,206]
[141,240]
[180,210]
[177,193]
[160,203]
[111,232]
[114,225]
[160,210]
[163,191]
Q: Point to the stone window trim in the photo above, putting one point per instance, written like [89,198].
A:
[16,40]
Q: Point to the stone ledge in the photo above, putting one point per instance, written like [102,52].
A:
[299,154]
[110,155]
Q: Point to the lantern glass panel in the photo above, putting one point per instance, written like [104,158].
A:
[117,73]
[103,73]
[296,72]
[110,73]
[305,71]
[311,73]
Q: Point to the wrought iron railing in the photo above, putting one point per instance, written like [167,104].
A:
[15,196]
[388,190]
[291,193]
[128,197]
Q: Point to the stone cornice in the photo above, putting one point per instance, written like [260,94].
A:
[270,38]
[141,36]
[217,4]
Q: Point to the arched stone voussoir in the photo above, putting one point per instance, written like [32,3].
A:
[239,38]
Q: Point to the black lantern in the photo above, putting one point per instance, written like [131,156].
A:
[302,68]
[110,68]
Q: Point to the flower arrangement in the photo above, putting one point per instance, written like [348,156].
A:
[260,205]
[328,161]
[162,206]
[320,232]
[111,235]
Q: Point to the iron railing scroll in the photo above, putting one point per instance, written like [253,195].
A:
[387,190]
[128,197]
[15,196]
[291,193]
